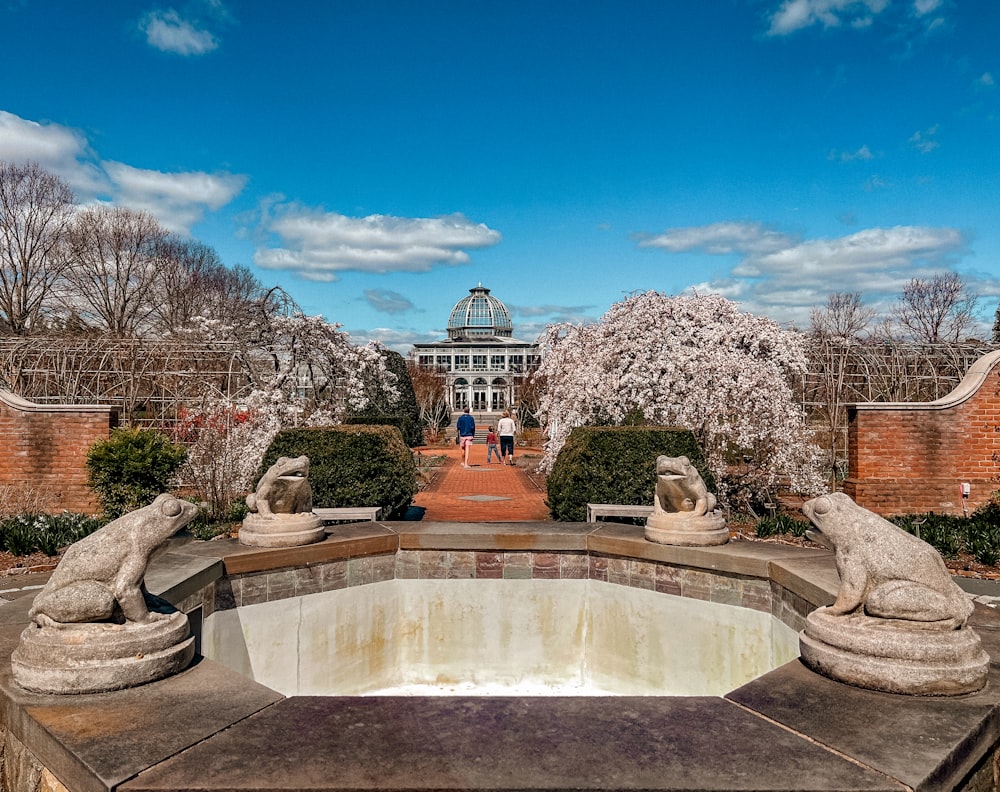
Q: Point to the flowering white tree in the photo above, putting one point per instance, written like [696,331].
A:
[690,361]
[303,371]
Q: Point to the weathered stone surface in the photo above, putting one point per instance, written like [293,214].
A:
[683,509]
[860,650]
[283,489]
[927,743]
[281,530]
[99,577]
[899,622]
[502,743]
[96,657]
[97,741]
[281,508]
[91,628]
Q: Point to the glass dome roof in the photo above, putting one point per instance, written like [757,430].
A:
[479,314]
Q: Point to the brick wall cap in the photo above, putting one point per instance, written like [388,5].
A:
[971,382]
[16,402]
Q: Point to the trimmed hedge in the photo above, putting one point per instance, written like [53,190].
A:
[615,464]
[404,414]
[352,465]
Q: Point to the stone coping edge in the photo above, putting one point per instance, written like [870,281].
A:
[750,559]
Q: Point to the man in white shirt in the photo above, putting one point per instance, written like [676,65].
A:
[506,429]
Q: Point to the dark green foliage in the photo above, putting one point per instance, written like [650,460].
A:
[403,414]
[983,534]
[944,532]
[615,464]
[352,465]
[780,524]
[132,467]
[204,527]
[44,533]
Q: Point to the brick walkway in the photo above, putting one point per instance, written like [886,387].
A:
[480,493]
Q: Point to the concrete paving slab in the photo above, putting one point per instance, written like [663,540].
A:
[924,742]
[815,578]
[504,743]
[986,622]
[342,541]
[176,575]
[95,742]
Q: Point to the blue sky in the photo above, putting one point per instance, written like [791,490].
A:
[378,159]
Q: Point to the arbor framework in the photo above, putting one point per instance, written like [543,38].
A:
[149,380]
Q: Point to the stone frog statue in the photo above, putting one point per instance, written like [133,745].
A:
[283,489]
[100,577]
[884,571]
[680,488]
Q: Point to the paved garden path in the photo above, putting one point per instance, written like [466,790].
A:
[480,493]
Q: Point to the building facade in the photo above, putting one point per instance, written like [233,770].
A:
[482,364]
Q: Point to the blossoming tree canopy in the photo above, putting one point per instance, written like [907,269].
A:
[693,361]
[301,371]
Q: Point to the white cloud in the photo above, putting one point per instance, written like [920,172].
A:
[875,182]
[317,244]
[167,31]
[387,301]
[56,148]
[786,282]
[924,141]
[923,7]
[177,200]
[719,238]
[798,14]
[863,153]
[986,80]
[870,250]
[401,341]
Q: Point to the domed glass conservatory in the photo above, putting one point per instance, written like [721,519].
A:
[481,361]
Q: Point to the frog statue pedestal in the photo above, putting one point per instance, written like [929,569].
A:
[683,509]
[281,508]
[899,623]
[91,629]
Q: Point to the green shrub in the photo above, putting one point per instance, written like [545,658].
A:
[131,467]
[409,430]
[982,538]
[780,524]
[944,532]
[24,534]
[352,465]
[615,464]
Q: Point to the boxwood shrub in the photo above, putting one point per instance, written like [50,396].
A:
[352,465]
[615,464]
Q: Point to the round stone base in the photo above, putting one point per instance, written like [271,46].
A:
[281,530]
[687,530]
[894,656]
[98,657]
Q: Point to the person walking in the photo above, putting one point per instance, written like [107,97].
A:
[491,446]
[506,429]
[466,425]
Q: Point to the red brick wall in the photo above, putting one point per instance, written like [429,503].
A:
[43,450]
[913,458]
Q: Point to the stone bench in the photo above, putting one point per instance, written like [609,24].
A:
[595,510]
[350,514]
